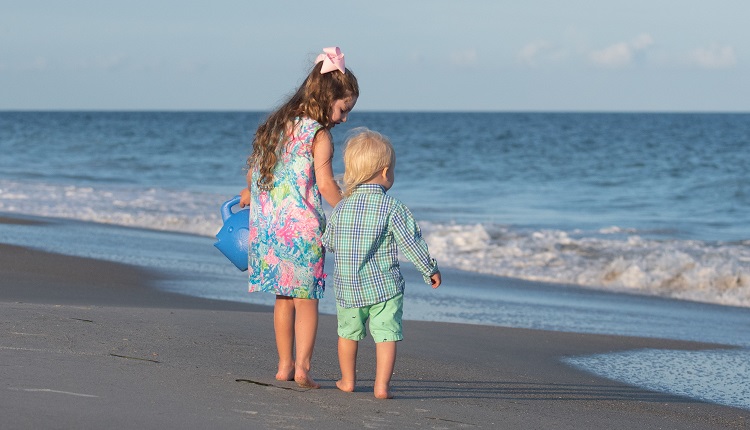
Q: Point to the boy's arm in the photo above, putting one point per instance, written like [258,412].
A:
[327,238]
[409,239]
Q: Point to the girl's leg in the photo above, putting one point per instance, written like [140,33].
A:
[305,331]
[283,324]
[386,360]
[348,364]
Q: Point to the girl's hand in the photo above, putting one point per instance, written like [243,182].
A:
[244,198]
[436,280]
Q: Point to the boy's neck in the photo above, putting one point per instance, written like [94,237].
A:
[384,178]
[379,181]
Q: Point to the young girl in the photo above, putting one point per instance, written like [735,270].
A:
[289,170]
[366,231]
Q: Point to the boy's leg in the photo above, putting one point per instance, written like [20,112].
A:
[305,331]
[351,329]
[348,364]
[283,324]
[386,330]
[386,360]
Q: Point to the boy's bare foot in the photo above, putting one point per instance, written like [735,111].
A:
[383,393]
[345,386]
[305,381]
[285,373]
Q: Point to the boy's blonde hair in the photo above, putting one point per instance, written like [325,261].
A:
[366,154]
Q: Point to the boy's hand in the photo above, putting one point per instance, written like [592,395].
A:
[436,280]
[244,198]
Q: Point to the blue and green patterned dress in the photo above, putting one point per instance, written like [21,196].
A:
[286,223]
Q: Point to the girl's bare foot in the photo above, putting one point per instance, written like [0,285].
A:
[305,381]
[285,373]
[345,386]
[383,393]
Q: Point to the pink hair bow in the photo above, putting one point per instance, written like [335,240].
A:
[332,59]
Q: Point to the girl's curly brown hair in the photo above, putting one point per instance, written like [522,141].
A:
[313,99]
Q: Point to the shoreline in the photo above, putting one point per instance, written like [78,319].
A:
[11,218]
[89,343]
[189,266]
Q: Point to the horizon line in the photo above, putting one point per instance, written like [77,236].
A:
[450,111]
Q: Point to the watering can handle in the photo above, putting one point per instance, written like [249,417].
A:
[226,208]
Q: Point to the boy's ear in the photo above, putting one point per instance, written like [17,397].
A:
[384,173]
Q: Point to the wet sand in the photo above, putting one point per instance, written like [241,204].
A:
[91,344]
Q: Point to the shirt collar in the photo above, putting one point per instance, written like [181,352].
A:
[369,189]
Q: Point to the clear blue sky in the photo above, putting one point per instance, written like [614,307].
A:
[496,55]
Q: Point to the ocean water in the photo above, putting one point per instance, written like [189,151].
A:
[648,203]
[591,205]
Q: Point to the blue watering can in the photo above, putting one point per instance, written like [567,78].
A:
[233,236]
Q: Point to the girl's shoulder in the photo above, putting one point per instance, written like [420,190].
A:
[306,128]
[304,122]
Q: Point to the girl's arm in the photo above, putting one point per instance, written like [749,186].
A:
[322,150]
[245,194]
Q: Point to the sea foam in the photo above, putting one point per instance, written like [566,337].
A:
[607,259]
[613,258]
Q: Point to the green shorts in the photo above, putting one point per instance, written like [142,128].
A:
[385,320]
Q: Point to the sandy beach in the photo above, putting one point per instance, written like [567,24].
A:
[86,343]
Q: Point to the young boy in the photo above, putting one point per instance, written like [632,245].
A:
[365,232]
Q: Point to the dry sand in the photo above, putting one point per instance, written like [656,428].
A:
[90,344]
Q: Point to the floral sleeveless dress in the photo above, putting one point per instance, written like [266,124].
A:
[285,254]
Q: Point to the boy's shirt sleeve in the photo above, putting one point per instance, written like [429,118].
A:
[409,239]
[327,238]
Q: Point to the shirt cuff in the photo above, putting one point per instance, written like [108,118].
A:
[434,270]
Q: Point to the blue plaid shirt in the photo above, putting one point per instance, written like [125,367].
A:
[365,232]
